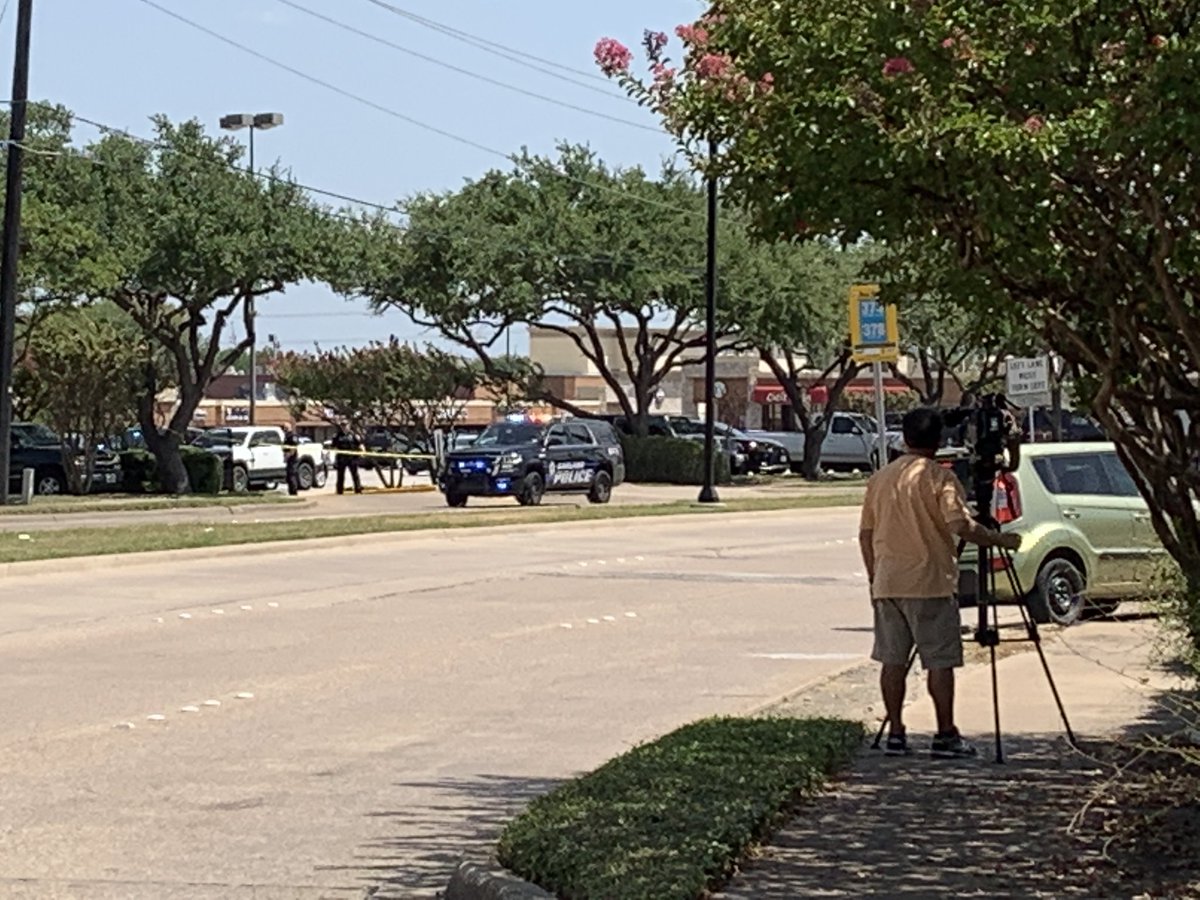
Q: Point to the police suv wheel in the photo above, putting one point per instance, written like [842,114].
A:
[456,500]
[601,491]
[532,490]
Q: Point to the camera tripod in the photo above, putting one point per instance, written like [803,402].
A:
[987,633]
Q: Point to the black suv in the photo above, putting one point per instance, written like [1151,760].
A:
[36,447]
[525,460]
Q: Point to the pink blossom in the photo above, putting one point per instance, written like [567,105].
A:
[1158,41]
[1034,124]
[713,65]
[948,43]
[766,84]
[613,57]
[898,65]
[693,35]
[662,73]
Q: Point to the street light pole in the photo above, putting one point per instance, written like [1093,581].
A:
[14,185]
[708,494]
[254,123]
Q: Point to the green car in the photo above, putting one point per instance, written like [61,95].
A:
[1088,538]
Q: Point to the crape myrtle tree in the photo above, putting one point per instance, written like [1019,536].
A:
[1042,154]
[392,383]
[79,371]
[610,259]
[188,239]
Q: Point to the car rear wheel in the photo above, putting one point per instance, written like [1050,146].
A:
[305,476]
[601,491]
[532,490]
[1058,594]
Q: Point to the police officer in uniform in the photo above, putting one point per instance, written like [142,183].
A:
[291,457]
[346,444]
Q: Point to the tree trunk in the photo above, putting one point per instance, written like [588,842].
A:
[172,474]
[814,439]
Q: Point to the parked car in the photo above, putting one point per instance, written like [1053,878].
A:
[383,439]
[850,442]
[37,447]
[1088,538]
[524,460]
[1076,427]
[254,459]
[747,454]
[658,426]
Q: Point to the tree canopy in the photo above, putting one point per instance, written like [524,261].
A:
[610,259]
[1041,155]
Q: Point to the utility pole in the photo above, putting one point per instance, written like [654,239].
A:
[708,494]
[12,238]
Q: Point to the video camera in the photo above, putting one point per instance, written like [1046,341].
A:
[989,442]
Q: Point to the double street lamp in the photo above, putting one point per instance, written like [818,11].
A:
[255,122]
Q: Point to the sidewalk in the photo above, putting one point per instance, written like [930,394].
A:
[917,828]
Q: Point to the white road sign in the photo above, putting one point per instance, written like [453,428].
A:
[1029,381]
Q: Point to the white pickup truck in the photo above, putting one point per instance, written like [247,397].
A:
[254,458]
[851,442]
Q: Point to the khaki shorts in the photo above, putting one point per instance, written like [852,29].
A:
[934,626]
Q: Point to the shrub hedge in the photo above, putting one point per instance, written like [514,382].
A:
[664,460]
[670,819]
[139,471]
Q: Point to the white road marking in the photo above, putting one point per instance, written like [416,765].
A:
[273,605]
[189,709]
[620,560]
[640,558]
[601,562]
[158,619]
[247,607]
[631,615]
[211,703]
[24,537]
[804,656]
[218,612]
[583,565]
[185,615]
[244,695]
[566,625]
[125,726]
[593,621]
[157,717]
[610,618]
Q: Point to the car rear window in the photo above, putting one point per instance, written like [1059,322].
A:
[1095,474]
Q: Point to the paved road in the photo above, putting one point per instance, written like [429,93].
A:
[326,503]
[399,698]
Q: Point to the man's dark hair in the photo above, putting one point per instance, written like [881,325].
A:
[923,429]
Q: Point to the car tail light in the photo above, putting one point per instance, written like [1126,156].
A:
[1006,506]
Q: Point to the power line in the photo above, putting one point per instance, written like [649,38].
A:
[468,72]
[505,52]
[379,107]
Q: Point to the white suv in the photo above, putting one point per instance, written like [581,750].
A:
[254,458]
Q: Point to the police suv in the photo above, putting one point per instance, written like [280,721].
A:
[525,459]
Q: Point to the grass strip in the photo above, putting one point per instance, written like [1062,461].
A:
[669,820]
[65,505]
[74,542]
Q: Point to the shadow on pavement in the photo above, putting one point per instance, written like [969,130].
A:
[463,821]
[916,828]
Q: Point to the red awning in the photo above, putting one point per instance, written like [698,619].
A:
[769,394]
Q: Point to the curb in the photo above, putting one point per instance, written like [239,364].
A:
[472,881]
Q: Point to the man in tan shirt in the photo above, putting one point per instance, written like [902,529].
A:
[913,518]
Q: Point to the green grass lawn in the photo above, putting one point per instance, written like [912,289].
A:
[135,503]
[72,542]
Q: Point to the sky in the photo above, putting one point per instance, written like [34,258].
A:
[120,62]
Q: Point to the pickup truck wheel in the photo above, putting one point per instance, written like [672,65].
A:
[601,491]
[1057,596]
[456,500]
[49,483]
[239,480]
[532,490]
[320,477]
[305,476]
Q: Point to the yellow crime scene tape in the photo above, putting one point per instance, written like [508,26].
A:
[402,489]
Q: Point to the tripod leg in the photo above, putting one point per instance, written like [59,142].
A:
[878,744]
[996,686]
